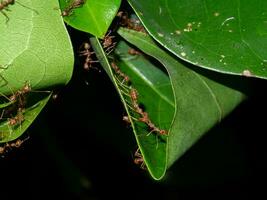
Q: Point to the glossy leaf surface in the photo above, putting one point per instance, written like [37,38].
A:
[93,16]
[35,51]
[225,36]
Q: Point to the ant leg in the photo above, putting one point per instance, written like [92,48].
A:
[4,66]
[124,86]
[28,7]
[109,49]
[3,95]
[5,81]
[7,18]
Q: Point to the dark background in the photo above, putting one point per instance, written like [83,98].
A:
[79,148]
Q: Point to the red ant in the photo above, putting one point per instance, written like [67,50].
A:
[130,23]
[17,107]
[144,115]
[134,95]
[73,5]
[126,119]
[20,95]
[16,144]
[4,6]
[134,52]
[88,60]
[108,43]
[139,160]
[134,98]
[18,119]
[119,72]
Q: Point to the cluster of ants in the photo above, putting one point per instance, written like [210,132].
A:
[9,146]
[108,45]
[144,115]
[124,81]
[85,50]
[133,94]
[14,113]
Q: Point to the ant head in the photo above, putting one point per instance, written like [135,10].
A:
[86,46]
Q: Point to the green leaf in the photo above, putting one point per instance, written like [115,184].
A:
[35,50]
[201,100]
[225,36]
[37,103]
[154,92]
[156,95]
[93,16]
[34,47]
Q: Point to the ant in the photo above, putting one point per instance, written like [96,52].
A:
[17,107]
[16,144]
[4,6]
[20,95]
[145,119]
[133,24]
[73,5]
[18,119]
[126,119]
[108,43]
[134,52]
[144,115]
[119,72]
[134,98]
[88,60]
[139,160]
[2,149]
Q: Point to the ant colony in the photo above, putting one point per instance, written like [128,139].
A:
[12,116]
[136,114]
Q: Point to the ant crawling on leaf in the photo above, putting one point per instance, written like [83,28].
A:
[14,113]
[18,119]
[20,95]
[134,52]
[119,72]
[139,160]
[144,115]
[130,23]
[75,4]
[4,6]
[108,43]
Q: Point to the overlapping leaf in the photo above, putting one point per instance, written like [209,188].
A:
[92,16]
[154,92]
[35,50]
[200,102]
[225,36]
